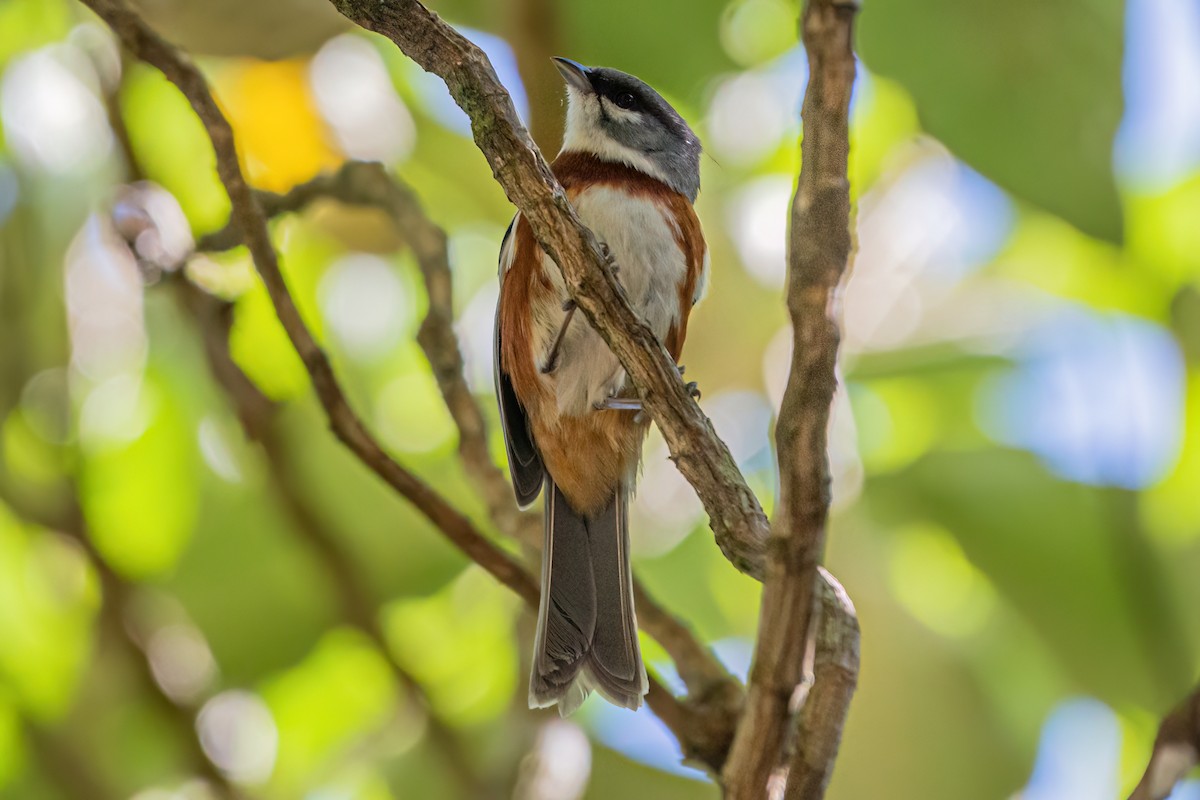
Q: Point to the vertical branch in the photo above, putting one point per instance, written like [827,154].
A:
[1176,751]
[819,252]
[818,728]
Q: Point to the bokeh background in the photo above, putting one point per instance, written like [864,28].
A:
[1016,445]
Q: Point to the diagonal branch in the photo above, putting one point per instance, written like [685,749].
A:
[368,184]
[149,47]
[1176,751]
[703,731]
[258,415]
[819,254]
[734,512]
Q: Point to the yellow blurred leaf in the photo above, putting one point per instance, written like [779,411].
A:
[281,137]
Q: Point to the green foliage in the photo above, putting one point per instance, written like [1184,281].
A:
[992,585]
[1027,92]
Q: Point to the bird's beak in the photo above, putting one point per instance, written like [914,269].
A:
[575,74]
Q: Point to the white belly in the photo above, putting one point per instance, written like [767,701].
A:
[642,239]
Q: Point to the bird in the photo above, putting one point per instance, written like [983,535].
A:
[573,428]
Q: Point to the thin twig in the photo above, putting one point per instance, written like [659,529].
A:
[258,416]
[737,519]
[1176,751]
[700,729]
[149,47]
[819,254]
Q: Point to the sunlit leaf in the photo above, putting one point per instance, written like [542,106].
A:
[26,24]
[459,644]
[140,498]
[47,600]
[342,692]
[172,146]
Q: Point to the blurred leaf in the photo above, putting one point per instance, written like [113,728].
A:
[1163,230]
[140,498]
[260,597]
[282,139]
[1058,552]
[12,751]
[260,346]
[47,601]
[340,693]
[173,147]
[27,455]
[1050,255]
[755,31]
[1027,92]
[25,24]
[1169,507]
[459,644]
[883,119]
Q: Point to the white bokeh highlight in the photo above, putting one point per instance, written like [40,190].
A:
[359,103]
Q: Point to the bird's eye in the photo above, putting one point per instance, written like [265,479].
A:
[625,100]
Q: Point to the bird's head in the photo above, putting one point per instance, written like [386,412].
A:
[618,117]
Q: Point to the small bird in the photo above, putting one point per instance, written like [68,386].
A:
[630,166]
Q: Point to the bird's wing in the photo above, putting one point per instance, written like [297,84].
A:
[524,462]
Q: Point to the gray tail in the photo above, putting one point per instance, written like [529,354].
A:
[587,632]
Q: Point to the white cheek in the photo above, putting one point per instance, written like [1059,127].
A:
[616,112]
[584,133]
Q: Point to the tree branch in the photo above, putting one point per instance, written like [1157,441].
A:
[368,184]
[734,513]
[247,213]
[818,730]
[819,253]
[1176,751]
[703,731]
[258,415]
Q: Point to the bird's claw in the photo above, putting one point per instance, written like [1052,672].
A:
[609,258]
